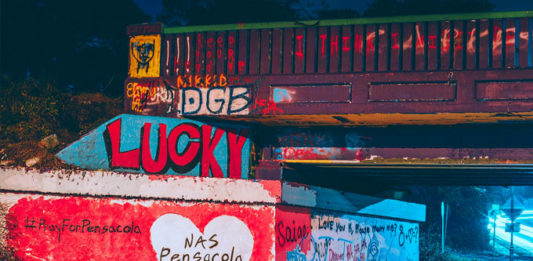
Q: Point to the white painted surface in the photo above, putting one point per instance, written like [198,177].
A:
[224,238]
[105,183]
[323,198]
[397,209]
[350,237]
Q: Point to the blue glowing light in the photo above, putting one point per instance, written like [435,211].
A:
[522,239]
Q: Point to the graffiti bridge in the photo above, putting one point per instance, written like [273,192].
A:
[353,96]
[250,141]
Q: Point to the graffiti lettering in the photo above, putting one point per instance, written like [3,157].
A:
[358,43]
[370,37]
[421,37]
[205,243]
[231,53]
[139,94]
[85,226]
[323,38]
[291,233]
[177,59]
[165,253]
[199,148]
[345,44]
[334,45]
[202,81]
[352,251]
[359,238]
[150,93]
[395,44]
[326,224]
[188,60]
[373,249]
[215,100]
[266,107]
[411,235]
[334,256]
[321,247]
[296,255]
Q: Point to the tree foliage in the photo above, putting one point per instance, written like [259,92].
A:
[420,7]
[80,44]
[467,220]
[202,12]
[32,110]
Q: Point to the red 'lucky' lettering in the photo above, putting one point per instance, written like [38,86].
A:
[235,145]
[189,157]
[200,145]
[150,165]
[128,159]
[208,147]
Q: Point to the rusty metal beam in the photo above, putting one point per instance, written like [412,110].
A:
[343,175]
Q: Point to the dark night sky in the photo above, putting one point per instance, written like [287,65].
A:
[154,7]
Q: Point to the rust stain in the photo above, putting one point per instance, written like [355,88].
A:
[385,119]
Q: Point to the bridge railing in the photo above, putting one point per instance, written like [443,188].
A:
[397,44]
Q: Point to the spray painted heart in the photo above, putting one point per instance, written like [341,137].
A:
[177,238]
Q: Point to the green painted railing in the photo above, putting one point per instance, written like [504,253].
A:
[340,22]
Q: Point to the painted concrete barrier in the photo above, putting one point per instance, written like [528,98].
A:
[98,215]
[302,234]
[163,145]
[77,228]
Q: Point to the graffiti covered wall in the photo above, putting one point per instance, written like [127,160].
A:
[188,95]
[374,144]
[163,145]
[211,95]
[80,228]
[104,215]
[353,45]
[305,235]
[438,70]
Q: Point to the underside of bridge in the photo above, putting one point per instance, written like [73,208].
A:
[346,175]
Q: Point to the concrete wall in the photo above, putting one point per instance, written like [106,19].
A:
[81,228]
[303,234]
[99,215]
[109,216]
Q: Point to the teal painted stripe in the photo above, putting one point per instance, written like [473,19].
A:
[338,22]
